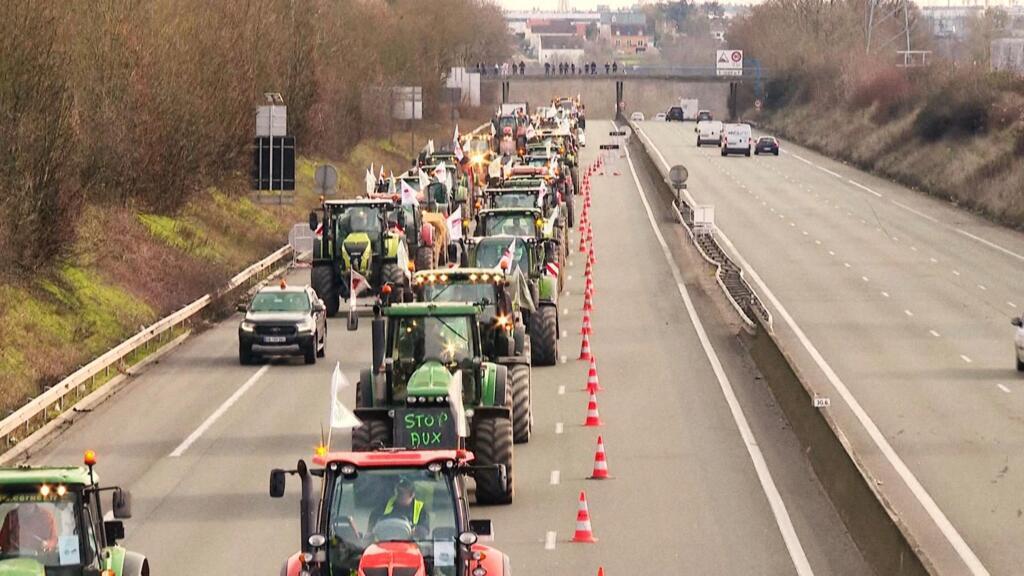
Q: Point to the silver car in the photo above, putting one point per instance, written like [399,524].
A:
[283,321]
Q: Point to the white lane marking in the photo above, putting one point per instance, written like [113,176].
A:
[846,264]
[804,232]
[559,427]
[993,245]
[933,260]
[913,248]
[549,540]
[569,277]
[562,359]
[908,312]
[865,278]
[934,333]
[965,552]
[827,171]
[561,390]
[885,294]
[789,536]
[982,287]
[912,211]
[1011,304]
[864,188]
[965,358]
[1003,388]
[801,158]
[956,272]
[212,419]
[108,515]
[818,242]
[565,311]
[556,476]
[565,333]
[831,253]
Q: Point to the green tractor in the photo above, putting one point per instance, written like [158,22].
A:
[524,240]
[363,235]
[525,189]
[506,303]
[428,363]
[53,524]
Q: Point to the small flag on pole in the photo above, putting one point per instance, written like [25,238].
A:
[455,224]
[341,416]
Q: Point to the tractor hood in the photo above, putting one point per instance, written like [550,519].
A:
[21,567]
[430,379]
[392,558]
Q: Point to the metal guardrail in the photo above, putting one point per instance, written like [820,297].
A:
[50,404]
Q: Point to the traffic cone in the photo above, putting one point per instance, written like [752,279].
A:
[593,382]
[586,329]
[585,348]
[590,255]
[588,301]
[600,463]
[583,246]
[590,283]
[593,417]
[600,571]
[584,532]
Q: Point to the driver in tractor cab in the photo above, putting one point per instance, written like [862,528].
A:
[404,504]
[29,527]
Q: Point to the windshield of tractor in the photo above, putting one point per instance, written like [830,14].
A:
[274,301]
[392,505]
[489,253]
[515,200]
[446,339]
[510,225]
[44,528]
[507,122]
[477,292]
[359,219]
[477,146]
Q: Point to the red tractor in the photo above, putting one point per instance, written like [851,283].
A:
[390,512]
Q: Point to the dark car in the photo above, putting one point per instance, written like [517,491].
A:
[767,145]
[704,116]
[675,113]
[283,321]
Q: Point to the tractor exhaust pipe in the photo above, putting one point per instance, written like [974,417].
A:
[377,332]
[305,505]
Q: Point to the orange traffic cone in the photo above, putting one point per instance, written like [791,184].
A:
[585,348]
[584,533]
[593,417]
[590,256]
[583,245]
[590,283]
[600,463]
[586,329]
[600,571]
[588,301]
[593,382]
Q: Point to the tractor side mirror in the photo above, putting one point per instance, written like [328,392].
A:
[122,500]
[313,221]
[377,339]
[277,483]
[113,530]
[477,362]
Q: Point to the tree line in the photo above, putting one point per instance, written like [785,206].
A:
[144,103]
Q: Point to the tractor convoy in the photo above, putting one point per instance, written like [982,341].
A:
[462,258]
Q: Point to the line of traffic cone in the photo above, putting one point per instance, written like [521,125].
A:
[585,348]
[600,462]
[584,531]
[593,382]
[587,328]
[593,416]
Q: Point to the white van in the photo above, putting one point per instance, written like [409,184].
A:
[736,138]
[709,132]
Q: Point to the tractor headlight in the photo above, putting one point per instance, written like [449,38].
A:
[248,326]
[306,325]
[423,399]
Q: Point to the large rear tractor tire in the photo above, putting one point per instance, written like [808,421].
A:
[325,284]
[491,443]
[522,414]
[372,435]
[544,335]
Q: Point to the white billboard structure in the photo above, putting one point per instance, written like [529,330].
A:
[729,62]
[468,85]
[407,102]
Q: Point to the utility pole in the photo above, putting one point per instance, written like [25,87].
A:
[879,30]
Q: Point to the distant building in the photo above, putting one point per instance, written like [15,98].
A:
[1008,55]
[560,49]
[629,38]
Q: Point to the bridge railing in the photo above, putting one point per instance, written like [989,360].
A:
[659,72]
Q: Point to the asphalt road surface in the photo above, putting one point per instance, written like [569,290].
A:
[707,477]
[897,306]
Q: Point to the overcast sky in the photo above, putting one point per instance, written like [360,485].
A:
[587,5]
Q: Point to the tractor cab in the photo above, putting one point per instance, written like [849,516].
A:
[390,512]
[53,524]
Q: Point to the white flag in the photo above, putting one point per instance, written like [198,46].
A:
[458,409]
[441,173]
[430,147]
[371,182]
[391,184]
[341,416]
[456,146]
[507,262]
[424,181]
[409,195]
[455,224]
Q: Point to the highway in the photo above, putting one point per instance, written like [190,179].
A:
[897,306]
[707,477]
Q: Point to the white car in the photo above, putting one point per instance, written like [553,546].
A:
[659,117]
[636,117]
[1018,342]
[736,138]
[709,132]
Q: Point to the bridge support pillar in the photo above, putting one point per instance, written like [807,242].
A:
[734,88]
[620,100]
[505,87]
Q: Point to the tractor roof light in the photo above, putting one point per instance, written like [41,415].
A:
[44,490]
[348,469]
[89,458]
[443,277]
[432,278]
[321,450]
[472,277]
[386,289]
[434,467]
[62,490]
[486,277]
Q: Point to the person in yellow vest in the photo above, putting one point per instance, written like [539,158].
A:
[404,504]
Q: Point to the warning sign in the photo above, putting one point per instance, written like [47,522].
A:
[729,60]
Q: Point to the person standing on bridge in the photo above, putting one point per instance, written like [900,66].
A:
[547,68]
[522,68]
[593,67]
[615,67]
[607,68]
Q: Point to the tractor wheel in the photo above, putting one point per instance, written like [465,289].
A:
[520,338]
[491,443]
[522,415]
[135,564]
[392,274]
[575,182]
[544,331]
[371,435]
[325,284]
[425,258]
[364,390]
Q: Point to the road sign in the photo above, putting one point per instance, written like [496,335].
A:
[822,402]
[678,175]
[617,133]
[280,121]
[729,60]
[283,156]
[703,218]
[325,179]
[609,146]
[407,102]
[728,72]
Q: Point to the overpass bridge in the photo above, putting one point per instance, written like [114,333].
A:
[652,88]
